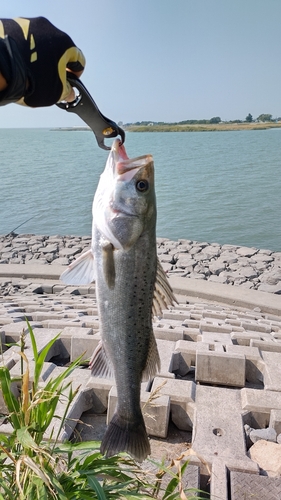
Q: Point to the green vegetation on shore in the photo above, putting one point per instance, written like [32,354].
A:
[215,124]
[208,127]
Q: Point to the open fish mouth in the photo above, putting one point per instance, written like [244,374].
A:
[125,166]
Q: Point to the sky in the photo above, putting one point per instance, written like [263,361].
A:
[165,60]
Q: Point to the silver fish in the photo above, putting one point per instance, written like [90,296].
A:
[131,287]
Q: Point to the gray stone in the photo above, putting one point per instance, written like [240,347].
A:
[268,457]
[268,434]
[246,252]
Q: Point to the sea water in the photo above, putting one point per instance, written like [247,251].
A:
[222,187]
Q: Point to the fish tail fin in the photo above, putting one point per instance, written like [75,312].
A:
[124,436]
[81,271]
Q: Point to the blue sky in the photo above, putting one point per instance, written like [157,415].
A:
[165,60]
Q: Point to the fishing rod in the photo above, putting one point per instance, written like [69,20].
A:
[11,232]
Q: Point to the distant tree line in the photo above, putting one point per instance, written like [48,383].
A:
[216,119]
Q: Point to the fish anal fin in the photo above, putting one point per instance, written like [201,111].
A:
[81,271]
[100,363]
[108,264]
[128,437]
[163,293]
[153,363]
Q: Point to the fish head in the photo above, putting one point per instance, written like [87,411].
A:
[127,198]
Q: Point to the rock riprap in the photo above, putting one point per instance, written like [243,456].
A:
[252,268]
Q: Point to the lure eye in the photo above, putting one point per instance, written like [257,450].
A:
[142,185]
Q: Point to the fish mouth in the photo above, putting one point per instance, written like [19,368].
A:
[125,166]
[121,213]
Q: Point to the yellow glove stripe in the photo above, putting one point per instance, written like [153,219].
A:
[32,42]
[24,24]
[71,55]
[2,33]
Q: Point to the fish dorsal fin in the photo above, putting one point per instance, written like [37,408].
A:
[108,263]
[153,363]
[100,363]
[81,271]
[163,293]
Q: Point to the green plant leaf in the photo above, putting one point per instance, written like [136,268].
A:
[25,439]
[39,358]
[10,495]
[95,485]
[70,447]
[9,398]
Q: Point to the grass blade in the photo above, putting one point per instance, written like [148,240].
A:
[95,485]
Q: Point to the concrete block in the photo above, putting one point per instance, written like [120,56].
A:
[83,344]
[92,290]
[13,331]
[42,337]
[100,388]
[91,321]
[165,349]
[191,334]
[254,362]
[5,320]
[47,370]
[47,315]
[173,314]
[249,486]
[218,347]
[221,470]
[188,350]
[66,338]
[271,346]
[173,334]
[255,327]
[213,435]
[272,370]
[244,338]
[220,368]
[182,397]
[156,414]
[76,330]
[63,323]
[258,401]
[214,327]
[213,338]
[275,420]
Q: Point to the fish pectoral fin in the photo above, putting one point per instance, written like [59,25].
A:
[81,271]
[100,363]
[153,362]
[108,264]
[163,293]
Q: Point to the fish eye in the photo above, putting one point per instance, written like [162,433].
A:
[142,185]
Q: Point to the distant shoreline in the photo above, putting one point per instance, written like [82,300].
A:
[212,127]
[209,127]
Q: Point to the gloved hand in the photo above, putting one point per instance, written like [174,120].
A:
[34,57]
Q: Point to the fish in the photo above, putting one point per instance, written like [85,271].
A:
[131,288]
